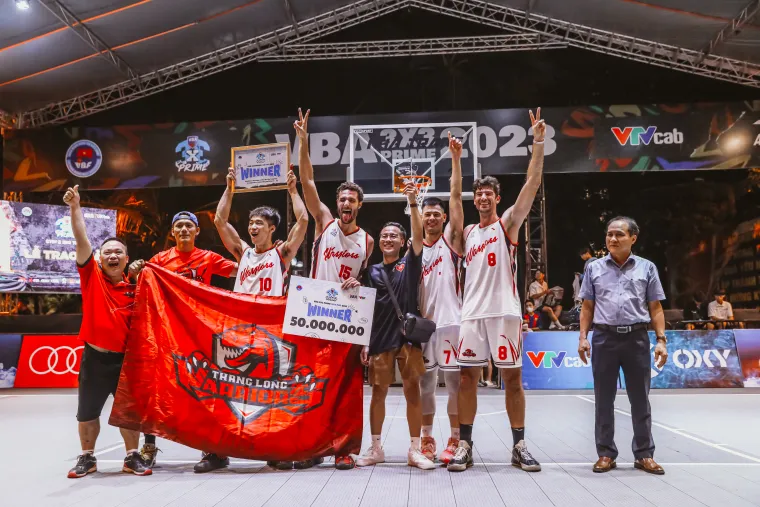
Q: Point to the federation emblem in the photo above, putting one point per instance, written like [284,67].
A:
[192,152]
[332,295]
[83,158]
[63,227]
[261,158]
[253,371]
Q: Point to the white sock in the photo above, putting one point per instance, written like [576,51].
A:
[427,431]
[376,441]
[91,451]
[416,443]
[130,451]
[455,433]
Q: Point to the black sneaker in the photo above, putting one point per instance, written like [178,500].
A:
[462,458]
[307,463]
[134,464]
[86,464]
[209,462]
[148,454]
[521,458]
[281,465]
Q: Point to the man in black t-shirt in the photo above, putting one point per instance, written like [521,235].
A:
[387,344]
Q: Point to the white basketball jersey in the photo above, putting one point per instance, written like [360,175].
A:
[490,288]
[262,274]
[335,256]
[439,294]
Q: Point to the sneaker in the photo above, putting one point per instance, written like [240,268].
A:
[489,383]
[373,456]
[428,448]
[344,462]
[209,462]
[415,458]
[307,463]
[86,464]
[481,383]
[148,454]
[280,465]
[448,453]
[462,459]
[521,458]
[134,464]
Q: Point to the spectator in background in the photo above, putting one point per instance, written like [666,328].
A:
[486,375]
[543,300]
[588,257]
[530,319]
[695,308]
[721,310]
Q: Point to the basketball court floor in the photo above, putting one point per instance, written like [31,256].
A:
[708,441]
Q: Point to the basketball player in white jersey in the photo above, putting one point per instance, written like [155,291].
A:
[491,316]
[341,248]
[263,267]
[440,300]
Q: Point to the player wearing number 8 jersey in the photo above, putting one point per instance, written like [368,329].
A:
[342,249]
[491,317]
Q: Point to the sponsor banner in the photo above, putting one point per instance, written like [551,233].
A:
[49,361]
[748,346]
[582,139]
[40,255]
[320,309]
[10,348]
[213,370]
[551,361]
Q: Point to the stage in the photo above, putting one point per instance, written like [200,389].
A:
[707,440]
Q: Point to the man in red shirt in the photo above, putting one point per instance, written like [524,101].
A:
[186,260]
[107,300]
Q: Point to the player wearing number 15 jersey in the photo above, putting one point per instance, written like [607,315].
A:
[342,249]
[491,320]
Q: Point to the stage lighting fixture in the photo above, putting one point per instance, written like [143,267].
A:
[22,5]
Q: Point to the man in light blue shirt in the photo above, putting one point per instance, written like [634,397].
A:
[621,296]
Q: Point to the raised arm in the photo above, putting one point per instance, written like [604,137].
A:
[227,232]
[318,210]
[84,247]
[455,229]
[516,215]
[416,218]
[297,233]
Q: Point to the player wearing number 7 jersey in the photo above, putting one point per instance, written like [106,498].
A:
[491,320]
[342,248]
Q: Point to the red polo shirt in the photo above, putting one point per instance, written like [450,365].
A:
[106,308]
[197,265]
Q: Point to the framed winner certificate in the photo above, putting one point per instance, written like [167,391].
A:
[322,310]
[262,167]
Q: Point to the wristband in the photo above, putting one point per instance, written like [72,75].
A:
[538,142]
[413,205]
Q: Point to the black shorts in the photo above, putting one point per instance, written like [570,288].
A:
[98,377]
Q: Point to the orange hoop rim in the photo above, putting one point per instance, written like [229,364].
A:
[425,181]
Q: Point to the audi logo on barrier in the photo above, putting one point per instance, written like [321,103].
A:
[54,357]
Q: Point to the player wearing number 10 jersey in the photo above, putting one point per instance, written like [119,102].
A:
[263,267]
[491,320]
[342,249]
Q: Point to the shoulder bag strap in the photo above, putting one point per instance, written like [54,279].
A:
[388,285]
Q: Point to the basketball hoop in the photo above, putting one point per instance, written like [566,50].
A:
[421,182]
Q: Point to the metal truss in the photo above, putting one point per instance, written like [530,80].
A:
[208,64]
[733,27]
[601,41]
[413,47]
[535,240]
[68,18]
[7,120]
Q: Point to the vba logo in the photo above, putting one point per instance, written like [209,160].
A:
[49,361]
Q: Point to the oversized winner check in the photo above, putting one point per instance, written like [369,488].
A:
[322,310]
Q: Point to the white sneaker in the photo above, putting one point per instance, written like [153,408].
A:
[373,456]
[553,325]
[489,383]
[415,458]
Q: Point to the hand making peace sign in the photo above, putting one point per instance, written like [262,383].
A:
[539,126]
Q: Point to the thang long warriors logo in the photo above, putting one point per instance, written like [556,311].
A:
[253,371]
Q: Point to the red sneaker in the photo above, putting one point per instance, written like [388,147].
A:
[448,453]
[428,448]
[344,462]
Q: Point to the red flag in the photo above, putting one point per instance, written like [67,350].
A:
[211,369]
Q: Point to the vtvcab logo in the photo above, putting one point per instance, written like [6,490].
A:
[686,359]
[552,359]
[636,136]
[253,371]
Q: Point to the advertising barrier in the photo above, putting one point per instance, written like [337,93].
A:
[49,361]
[550,361]
[748,346]
[10,348]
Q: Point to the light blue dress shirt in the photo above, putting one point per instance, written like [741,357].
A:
[621,293]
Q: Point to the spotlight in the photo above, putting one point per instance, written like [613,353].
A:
[22,5]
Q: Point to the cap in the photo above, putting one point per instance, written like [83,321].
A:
[185,215]
[720,292]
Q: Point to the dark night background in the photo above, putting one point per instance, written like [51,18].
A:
[676,210]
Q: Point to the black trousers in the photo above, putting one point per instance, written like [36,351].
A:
[631,351]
